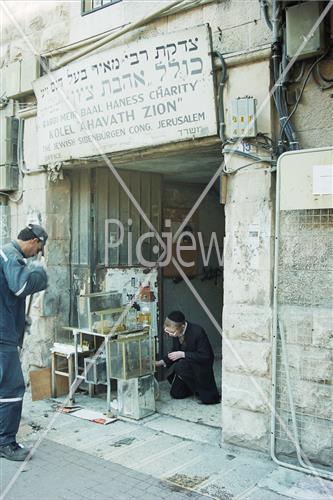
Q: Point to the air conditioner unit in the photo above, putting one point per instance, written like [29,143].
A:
[8,154]
[9,176]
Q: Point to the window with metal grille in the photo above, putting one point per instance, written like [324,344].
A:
[88,6]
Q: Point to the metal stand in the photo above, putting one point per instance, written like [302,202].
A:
[77,334]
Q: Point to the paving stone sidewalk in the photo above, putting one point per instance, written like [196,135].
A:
[57,472]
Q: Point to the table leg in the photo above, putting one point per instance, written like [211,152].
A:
[53,376]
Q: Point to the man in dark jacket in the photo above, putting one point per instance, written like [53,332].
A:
[191,360]
[17,281]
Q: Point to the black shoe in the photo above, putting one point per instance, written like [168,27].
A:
[14,451]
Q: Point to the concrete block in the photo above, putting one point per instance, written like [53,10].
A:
[58,253]
[193,17]
[246,393]
[250,287]
[304,287]
[315,108]
[244,322]
[310,398]
[248,185]
[54,36]
[314,138]
[240,215]
[57,296]
[250,358]
[307,326]
[245,428]
[233,14]
[35,181]
[248,249]
[34,200]
[234,39]
[310,363]
[322,334]
[307,251]
[58,227]
[259,34]
[58,200]
[297,323]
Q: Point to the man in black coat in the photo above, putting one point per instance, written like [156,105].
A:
[191,361]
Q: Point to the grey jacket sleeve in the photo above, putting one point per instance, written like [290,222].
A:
[21,279]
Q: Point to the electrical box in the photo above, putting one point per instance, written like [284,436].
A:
[300,19]
[306,179]
[243,117]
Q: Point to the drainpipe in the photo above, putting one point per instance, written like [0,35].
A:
[220,97]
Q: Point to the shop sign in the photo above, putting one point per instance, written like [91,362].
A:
[151,92]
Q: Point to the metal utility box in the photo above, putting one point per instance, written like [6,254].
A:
[306,179]
[300,19]
[92,306]
[243,117]
[95,370]
[131,355]
[136,397]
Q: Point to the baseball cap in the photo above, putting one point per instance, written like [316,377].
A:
[39,233]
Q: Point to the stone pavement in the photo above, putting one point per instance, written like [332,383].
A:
[58,472]
[159,457]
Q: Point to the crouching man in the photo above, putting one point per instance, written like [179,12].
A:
[17,281]
[191,361]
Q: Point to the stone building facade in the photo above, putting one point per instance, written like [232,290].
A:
[57,30]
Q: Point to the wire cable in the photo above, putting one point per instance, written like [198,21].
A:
[301,92]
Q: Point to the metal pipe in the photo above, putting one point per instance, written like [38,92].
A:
[223,79]
[275,21]
[264,10]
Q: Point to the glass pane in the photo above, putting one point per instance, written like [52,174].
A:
[86,5]
[97,3]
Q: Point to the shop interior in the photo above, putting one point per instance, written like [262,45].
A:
[114,297]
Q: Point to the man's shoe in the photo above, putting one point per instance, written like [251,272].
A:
[14,451]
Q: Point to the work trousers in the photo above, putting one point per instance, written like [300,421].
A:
[181,379]
[12,389]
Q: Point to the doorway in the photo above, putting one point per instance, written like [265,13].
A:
[205,278]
